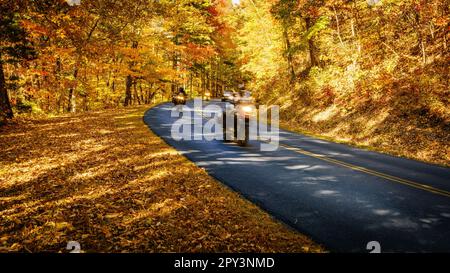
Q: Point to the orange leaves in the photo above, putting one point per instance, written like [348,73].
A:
[198,53]
[36,30]
[90,47]
[39,72]
[131,53]
[442,21]
[104,180]
[69,83]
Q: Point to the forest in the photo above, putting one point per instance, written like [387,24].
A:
[348,69]
[87,155]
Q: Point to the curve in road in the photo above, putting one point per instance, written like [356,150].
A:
[341,196]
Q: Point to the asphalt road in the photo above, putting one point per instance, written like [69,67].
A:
[340,196]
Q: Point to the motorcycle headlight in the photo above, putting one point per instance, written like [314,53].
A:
[247,109]
[180,97]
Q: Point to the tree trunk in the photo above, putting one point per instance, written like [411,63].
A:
[148,93]
[141,93]
[72,104]
[128,84]
[311,46]
[174,85]
[289,54]
[421,38]
[129,80]
[338,27]
[113,88]
[85,103]
[136,96]
[58,68]
[191,86]
[203,82]
[5,106]
[354,24]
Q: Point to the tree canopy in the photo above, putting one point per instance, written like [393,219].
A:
[67,56]
[106,53]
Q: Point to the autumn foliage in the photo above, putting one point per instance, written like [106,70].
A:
[366,72]
[104,180]
[372,73]
[106,54]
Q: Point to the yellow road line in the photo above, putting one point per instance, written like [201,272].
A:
[372,172]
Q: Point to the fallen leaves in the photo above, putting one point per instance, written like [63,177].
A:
[104,180]
[381,129]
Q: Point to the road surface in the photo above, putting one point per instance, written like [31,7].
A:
[340,196]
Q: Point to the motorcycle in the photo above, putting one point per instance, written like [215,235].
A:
[241,112]
[207,96]
[179,99]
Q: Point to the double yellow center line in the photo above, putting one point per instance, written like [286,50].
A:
[371,172]
[368,171]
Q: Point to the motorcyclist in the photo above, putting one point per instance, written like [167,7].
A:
[244,109]
[245,96]
[180,97]
[182,92]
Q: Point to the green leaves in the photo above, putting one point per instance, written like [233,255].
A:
[320,24]
[14,41]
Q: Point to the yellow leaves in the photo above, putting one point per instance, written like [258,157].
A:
[101,180]
[442,21]
[225,236]
[198,53]
[3,239]
[131,53]
[63,225]
[61,34]
[36,30]
[59,226]
[14,247]
[66,17]
[113,215]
